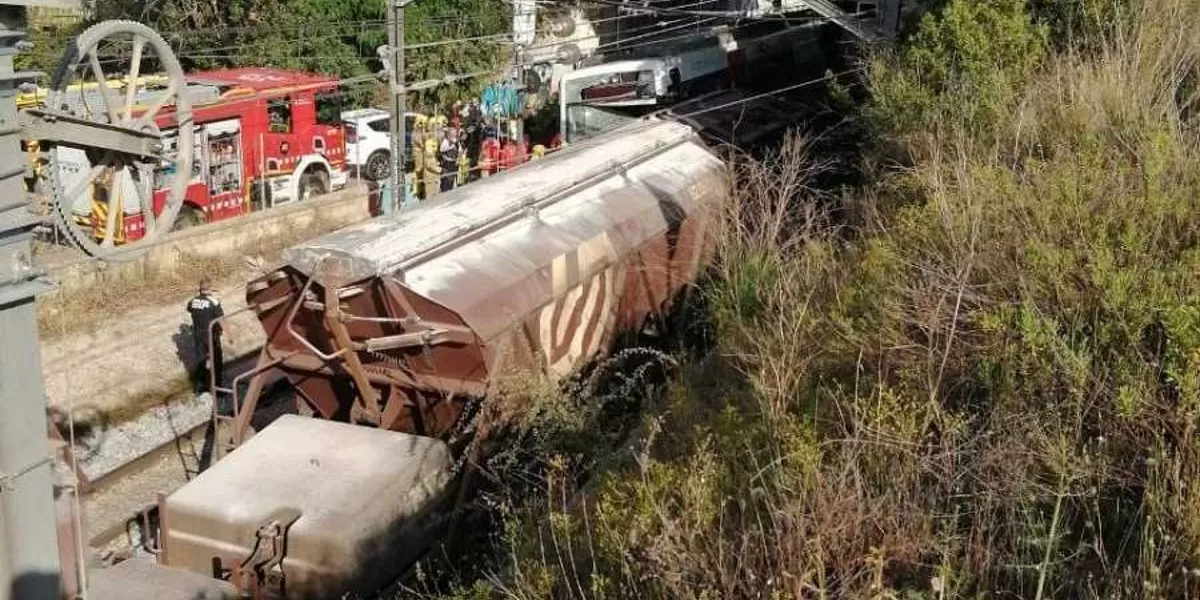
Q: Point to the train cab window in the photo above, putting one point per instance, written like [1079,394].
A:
[645,84]
[279,110]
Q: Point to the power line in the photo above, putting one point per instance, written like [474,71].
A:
[212,52]
[767,94]
[193,31]
[733,14]
[620,44]
[654,26]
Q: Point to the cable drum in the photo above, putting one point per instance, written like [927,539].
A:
[99,193]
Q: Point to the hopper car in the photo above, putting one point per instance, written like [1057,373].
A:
[392,331]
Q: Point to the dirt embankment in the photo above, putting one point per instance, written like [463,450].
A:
[127,362]
[113,349]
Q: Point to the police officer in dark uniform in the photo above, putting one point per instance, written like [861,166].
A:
[205,308]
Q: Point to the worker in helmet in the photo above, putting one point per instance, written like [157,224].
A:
[418,155]
[433,169]
[205,309]
[473,143]
[464,160]
[508,154]
[448,153]
[410,190]
[489,155]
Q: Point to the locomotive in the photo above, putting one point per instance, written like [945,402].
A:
[392,330]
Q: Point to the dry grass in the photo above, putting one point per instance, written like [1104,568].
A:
[87,310]
[990,386]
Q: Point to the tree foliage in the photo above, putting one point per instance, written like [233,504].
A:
[326,36]
[962,64]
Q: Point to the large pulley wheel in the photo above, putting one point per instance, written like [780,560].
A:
[122,74]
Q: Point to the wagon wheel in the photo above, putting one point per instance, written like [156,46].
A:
[98,79]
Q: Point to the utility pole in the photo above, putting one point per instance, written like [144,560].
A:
[396,92]
[29,567]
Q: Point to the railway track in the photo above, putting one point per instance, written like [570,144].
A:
[123,467]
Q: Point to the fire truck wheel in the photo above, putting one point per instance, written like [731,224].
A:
[189,216]
[379,166]
[314,183]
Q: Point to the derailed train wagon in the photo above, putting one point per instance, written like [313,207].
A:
[400,324]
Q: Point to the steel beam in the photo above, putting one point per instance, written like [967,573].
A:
[28,535]
[69,130]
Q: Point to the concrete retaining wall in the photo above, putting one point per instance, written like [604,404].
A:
[249,236]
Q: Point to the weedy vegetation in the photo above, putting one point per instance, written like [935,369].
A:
[982,378]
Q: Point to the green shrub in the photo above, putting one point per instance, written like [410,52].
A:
[991,388]
[962,68]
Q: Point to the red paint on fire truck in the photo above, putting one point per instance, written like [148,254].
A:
[271,133]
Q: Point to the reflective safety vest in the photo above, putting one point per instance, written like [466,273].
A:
[100,208]
[464,168]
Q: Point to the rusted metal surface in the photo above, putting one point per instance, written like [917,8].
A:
[143,579]
[401,321]
[310,509]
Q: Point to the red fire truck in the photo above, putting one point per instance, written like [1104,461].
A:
[262,137]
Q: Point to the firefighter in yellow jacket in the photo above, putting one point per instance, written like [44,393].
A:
[433,168]
[464,160]
[418,158]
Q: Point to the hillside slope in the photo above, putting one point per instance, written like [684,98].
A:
[983,379]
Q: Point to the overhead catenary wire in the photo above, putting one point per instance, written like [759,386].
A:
[652,29]
[628,15]
[215,52]
[192,32]
[344,28]
[451,78]
[210,52]
[620,44]
[646,9]
[659,27]
[431,82]
[769,93]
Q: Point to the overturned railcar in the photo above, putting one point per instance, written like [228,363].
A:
[401,321]
[400,324]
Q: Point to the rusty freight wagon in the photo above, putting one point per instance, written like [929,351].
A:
[395,326]
[397,322]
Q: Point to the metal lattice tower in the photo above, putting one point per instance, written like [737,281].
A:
[29,566]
